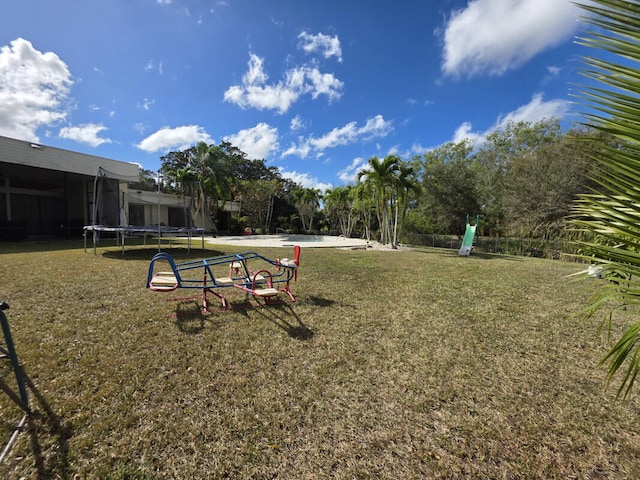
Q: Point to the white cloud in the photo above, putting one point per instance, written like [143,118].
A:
[151,66]
[255,74]
[257,142]
[296,124]
[464,132]
[348,134]
[326,45]
[140,127]
[254,92]
[493,36]
[414,149]
[417,149]
[534,111]
[302,149]
[89,134]
[34,88]
[146,103]
[305,180]
[393,150]
[180,138]
[554,70]
[537,109]
[349,173]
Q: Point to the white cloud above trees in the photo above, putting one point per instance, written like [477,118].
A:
[494,36]
[255,92]
[174,139]
[536,110]
[258,142]
[350,172]
[305,179]
[348,134]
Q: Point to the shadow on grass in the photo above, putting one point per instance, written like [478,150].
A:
[325,302]
[146,253]
[280,314]
[495,256]
[321,302]
[49,437]
[48,246]
[191,319]
[481,255]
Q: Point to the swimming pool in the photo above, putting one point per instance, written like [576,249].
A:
[288,240]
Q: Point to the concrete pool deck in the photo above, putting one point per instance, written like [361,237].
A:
[286,240]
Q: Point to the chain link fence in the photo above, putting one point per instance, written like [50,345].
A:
[528,247]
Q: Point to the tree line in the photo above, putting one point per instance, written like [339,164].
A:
[521,180]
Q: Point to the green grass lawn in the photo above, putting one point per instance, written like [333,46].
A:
[391,364]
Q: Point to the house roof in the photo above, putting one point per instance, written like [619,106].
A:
[41,156]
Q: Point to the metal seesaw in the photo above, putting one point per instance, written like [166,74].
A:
[251,272]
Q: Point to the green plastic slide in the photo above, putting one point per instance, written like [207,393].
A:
[469,237]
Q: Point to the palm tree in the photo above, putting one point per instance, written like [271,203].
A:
[258,198]
[338,202]
[364,205]
[208,163]
[404,183]
[608,219]
[307,202]
[201,172]
[381,175]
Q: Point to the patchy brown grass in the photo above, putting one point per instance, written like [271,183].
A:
[391,364]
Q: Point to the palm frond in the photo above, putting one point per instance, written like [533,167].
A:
[609,217]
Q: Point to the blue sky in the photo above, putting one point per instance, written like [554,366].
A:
[315,88]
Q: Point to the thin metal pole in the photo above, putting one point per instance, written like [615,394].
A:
[159,231]
[203,205]
[13,357]
[95,207]
[13,438]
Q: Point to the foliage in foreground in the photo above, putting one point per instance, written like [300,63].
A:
[609,217]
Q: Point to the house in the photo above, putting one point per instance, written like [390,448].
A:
[49,192]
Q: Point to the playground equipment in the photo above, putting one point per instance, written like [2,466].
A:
[469,237]
[20,398]
[113,212]
[250,272]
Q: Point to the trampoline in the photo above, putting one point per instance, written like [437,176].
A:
[122,232]
[111,208]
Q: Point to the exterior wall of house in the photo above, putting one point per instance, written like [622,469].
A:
[158,207]
[46,191]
